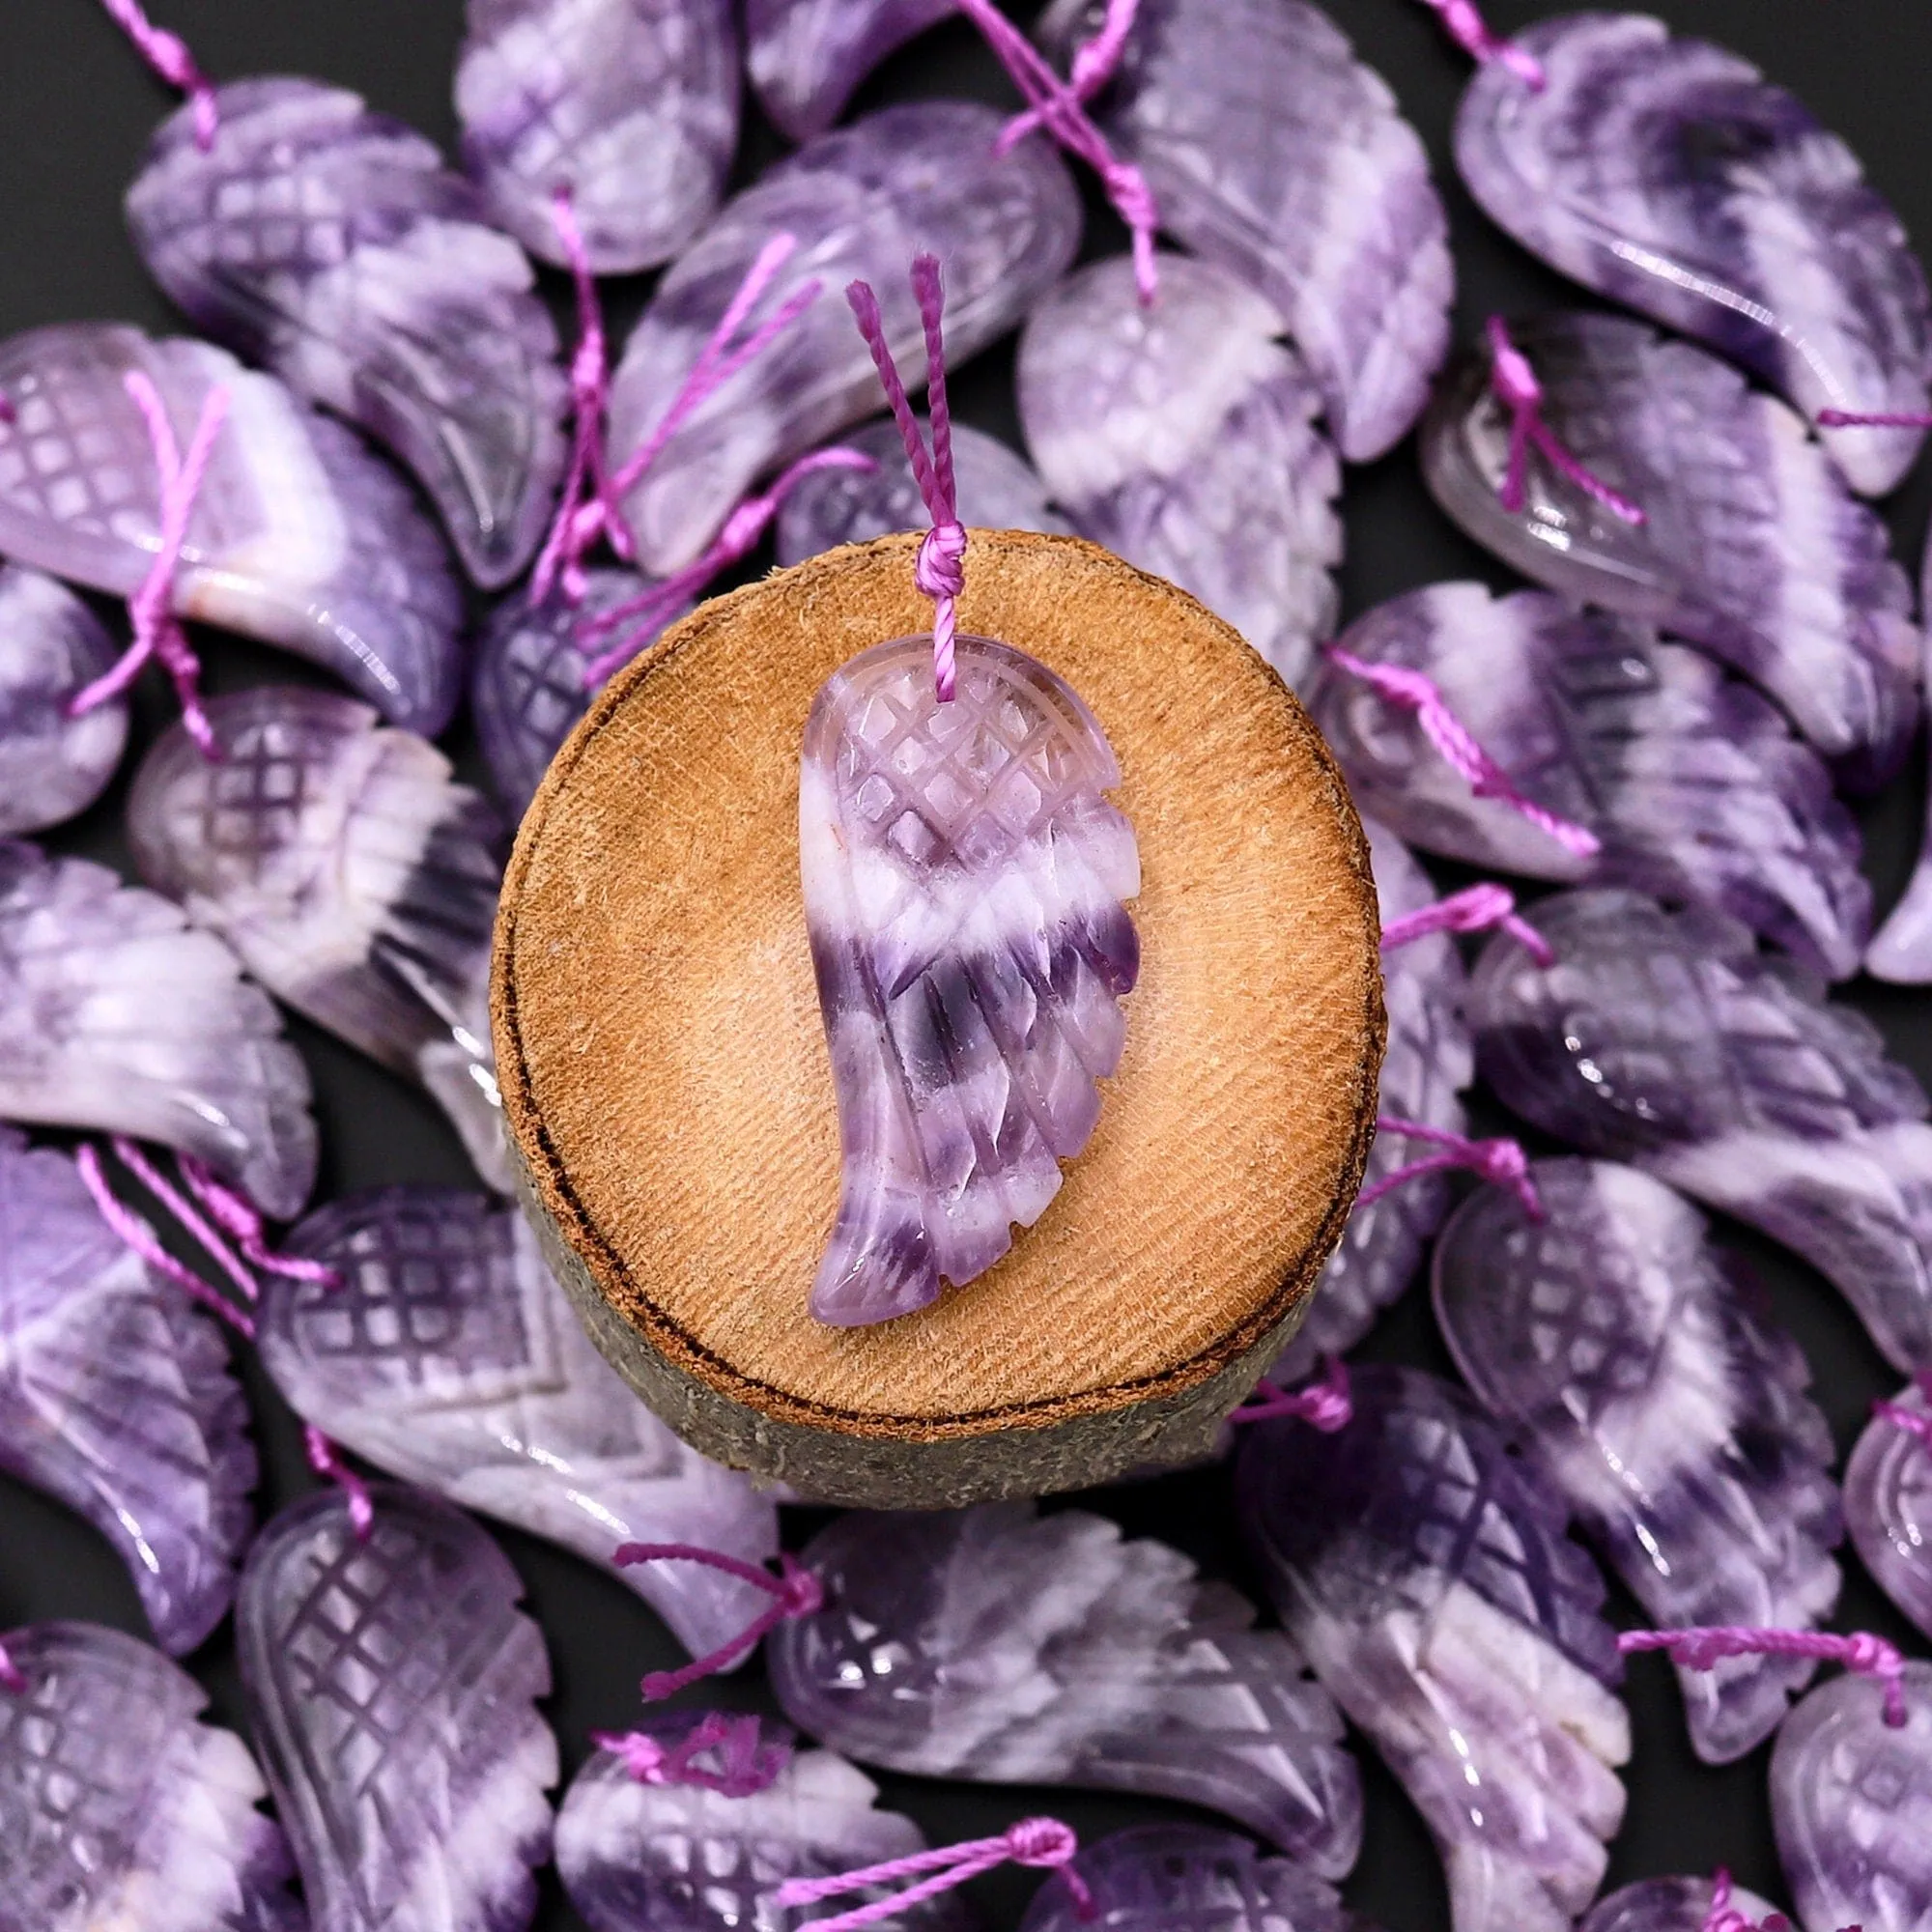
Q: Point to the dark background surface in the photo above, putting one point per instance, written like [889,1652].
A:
[76,107]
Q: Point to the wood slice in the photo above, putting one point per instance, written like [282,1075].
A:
[670,1097]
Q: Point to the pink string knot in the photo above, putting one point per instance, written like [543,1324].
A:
[1502,1163]
[324,1458]
[11,1679]
[1702,1647]
[795,1592]
[238,1219]
[167,54]
[1470,32]
[1474,909]
[1724,1917]
[1913,1421]
[1518,391]
[744,1763]
[1324,1403]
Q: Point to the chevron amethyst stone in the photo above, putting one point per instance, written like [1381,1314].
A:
[1670,175]
[1272,151]
[331,245]
[630,104]
[51,648]
[1752,547]
[1691,779]
[122,1808]
[299,536]
[1672,1904]
[355,879]
[964,878]
[859,203]
[1849,1798]
[1889,1504]
[116,1017]
[448,1356]
[1666,1039]
[1611,1338]
[1182,436]
[1006,1647]
[392,1685]
[998,491]
[1426,1573]
[805,58]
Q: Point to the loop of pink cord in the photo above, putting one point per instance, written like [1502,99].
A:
[1044,1842]
[940,571]
[1882,419]
[1470,32]
[795,1592]
[1518,391]
[1502,1163]
[1703,1646]
[749,1764]
[324,1458]
[1474,909]
[1324,1403]
[239,1220]
[168,55]
[1913,1421]
[1724,1917]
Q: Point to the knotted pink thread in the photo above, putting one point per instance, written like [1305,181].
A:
[239,1220]
[157,633]
[940,571]
[1724,1917]
[11,1680]
[1324,1403]
[1061,109]
[1034,1841]
[1913,1421]
[646,613]
[1474,909]
[1518,391]
[1502,1163]
[324,1458]
[1881,419]
[1417,692]
[1703,1646]
[795,1592]
[168,55]
[747,1764]
[1470,32]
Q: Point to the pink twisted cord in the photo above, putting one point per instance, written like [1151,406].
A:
[1703,1646]
[1518,391]
[1474,909]
[795,1592]
[1034,1841]
[940,571]
[168,55]
[1913,1421]
[747,1764]
[324,1458]
[1470,32]
[1061,109]
[157,1184]
[1502,1163]
[238,1219]
[646,614]
[1882,419]
[11,1680]
[156,633]
[1417,692]
[1724,1917]
[1324,1403]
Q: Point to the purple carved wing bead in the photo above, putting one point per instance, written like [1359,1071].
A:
[1667,1041]
[1849,1800]
[331,245]
[1182,434]
[51,648]
[860,202]
[1752,547]
[1010,1648]
[391,1685]
[964,886]
[299,536]
[355,879]
[1692,781]
[630,104]
[1426,1573]
[116,1017]
[114,1397]
[805,58]
[1272,151]
[1670,1905]
[121,1808]
[1889,1507]
[449,1356]
[1672,1418]
[1670,175]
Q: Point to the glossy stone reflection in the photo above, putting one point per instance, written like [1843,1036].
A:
[1671,1905]
[807,57]
[51,648]
[1889,1506]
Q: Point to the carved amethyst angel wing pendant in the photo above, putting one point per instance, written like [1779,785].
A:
[805,58]
[51,648]
[965,881]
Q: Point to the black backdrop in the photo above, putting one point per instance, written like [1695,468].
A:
[75,110]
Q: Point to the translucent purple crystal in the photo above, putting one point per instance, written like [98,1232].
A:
[1609,1338]
[331,245]
[1849,1799]
[860,202]
[964,879]
[51,648]
[122,1808]
[805,58]
[299,536]
[997,490]
[670,1858]
[1889,1507]
[117,1018]
[1671,1905]
[1011,1648]
[448,1356]
[1425,1572]
[356,880]
[114,1397]
[1902,950]
[1272,151]
[1753,545]
[1182,436]
[1692,781]
[630,104]
[391,1685]
[1670,175]
[1184,1878]
[1667,1041]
